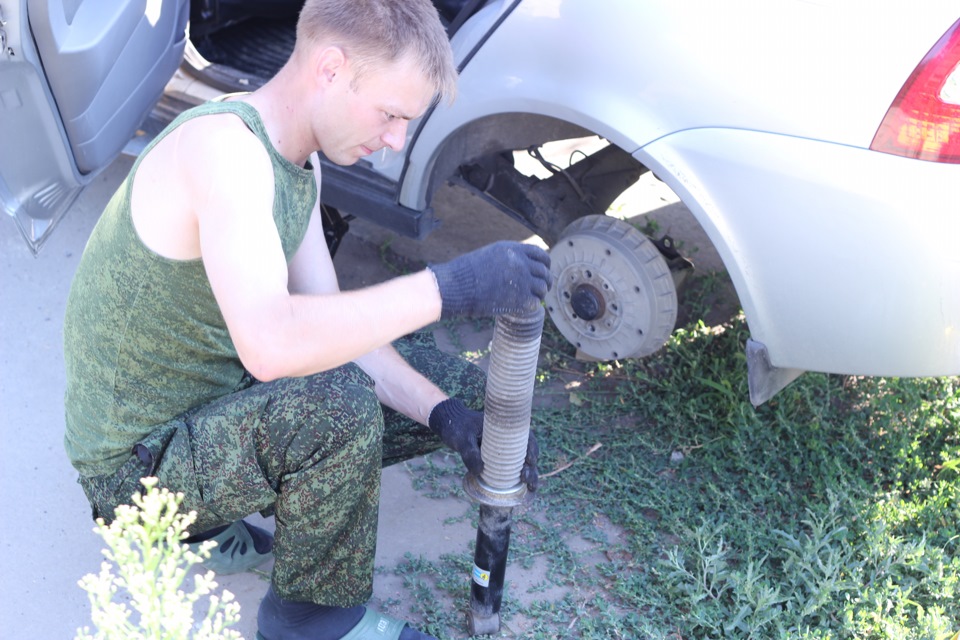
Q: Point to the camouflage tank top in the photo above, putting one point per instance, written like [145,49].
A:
[144,339]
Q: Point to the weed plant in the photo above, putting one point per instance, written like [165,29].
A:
[138,593]
[832,511]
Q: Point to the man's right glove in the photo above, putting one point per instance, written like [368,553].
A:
[503,277]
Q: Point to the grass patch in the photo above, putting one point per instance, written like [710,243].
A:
[830,512]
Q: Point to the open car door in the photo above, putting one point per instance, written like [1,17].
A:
[77,78]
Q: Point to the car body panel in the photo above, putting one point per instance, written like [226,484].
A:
[828,245]
[792,67]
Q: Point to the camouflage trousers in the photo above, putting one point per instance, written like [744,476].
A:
[308,450]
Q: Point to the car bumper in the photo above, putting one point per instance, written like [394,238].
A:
[845,260]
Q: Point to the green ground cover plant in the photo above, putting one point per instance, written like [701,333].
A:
[672,508]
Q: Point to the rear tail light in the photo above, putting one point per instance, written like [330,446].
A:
[924,120]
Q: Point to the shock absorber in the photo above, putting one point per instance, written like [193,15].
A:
[506,428]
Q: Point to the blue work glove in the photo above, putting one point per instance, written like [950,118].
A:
[503,277]
[461,429]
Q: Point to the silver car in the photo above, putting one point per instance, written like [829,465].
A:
[817,142]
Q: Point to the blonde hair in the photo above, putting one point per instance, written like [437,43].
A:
[375,32]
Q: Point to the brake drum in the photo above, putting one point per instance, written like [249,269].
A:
[613,295]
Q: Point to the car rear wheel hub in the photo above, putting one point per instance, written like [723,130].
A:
[613,295]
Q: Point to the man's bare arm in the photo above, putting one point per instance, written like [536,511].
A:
[398,385]
[278,333]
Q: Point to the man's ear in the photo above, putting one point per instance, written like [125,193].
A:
[330,62]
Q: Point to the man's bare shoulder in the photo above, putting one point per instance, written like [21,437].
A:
[209,143]
[206,166]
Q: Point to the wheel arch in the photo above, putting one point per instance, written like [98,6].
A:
[546,206]
[484,136]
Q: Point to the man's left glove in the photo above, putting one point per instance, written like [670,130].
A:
[461,429]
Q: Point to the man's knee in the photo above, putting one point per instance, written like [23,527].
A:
[328,413]
[455,375]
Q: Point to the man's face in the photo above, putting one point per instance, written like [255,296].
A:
[374,111]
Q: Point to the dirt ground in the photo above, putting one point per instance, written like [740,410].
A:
[369,255]
[49,544]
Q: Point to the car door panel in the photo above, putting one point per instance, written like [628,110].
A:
[37,181]
[76,80]
[107,63]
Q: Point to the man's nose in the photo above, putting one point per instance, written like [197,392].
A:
[396,134]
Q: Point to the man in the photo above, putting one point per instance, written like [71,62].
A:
[207,342]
